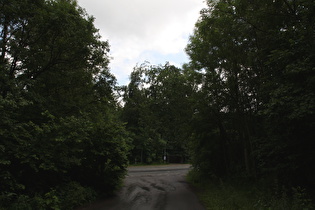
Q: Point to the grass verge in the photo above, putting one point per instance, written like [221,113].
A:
[219,195]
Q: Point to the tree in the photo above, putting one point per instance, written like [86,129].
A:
[59,131]
[256,64]
[157,111]
[228,81]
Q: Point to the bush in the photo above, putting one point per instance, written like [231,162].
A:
[216,194]
[69,196]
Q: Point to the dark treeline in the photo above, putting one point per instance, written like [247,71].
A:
[242,108]
[158,111]
[256,102]
[61,143]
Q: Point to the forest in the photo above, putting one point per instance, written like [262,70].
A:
[242,108]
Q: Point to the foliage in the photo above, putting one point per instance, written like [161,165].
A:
[157,111]
[244,104]
[216,194]
[255,115]
[64,197]
[62,143]
[243,107]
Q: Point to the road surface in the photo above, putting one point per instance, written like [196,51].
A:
[152,188]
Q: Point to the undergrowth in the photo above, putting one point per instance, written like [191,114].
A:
[231,195]
[69,196]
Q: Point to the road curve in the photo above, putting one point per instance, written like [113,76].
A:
[152,188]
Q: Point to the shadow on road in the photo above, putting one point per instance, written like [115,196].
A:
[152,187]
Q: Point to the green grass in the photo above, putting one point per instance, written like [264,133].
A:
[218,195]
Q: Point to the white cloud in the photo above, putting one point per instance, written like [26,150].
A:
[140,30]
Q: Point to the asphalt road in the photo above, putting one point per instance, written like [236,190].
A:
[152,188]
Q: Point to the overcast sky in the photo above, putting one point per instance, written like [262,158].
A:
[144,30]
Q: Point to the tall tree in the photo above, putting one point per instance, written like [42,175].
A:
[59,130]
[257,71]
[158,109]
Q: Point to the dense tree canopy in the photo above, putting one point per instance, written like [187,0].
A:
[58,128]
[242,107]
[257,63]
[244,104]
[157,111]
